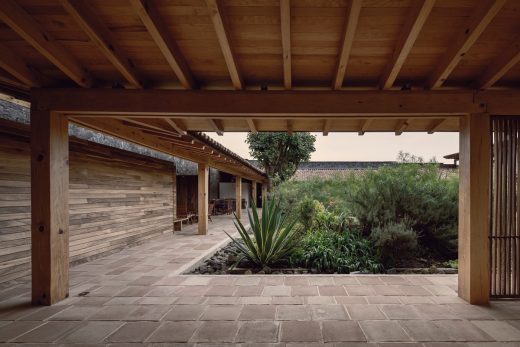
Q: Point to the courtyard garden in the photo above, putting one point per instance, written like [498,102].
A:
[397,219]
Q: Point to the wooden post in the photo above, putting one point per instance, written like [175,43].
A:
[474,208]
[253,193]
[238,196]
[264,193]
[203,174]
[49,206]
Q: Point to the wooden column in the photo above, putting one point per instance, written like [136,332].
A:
[474,208]
[49,206]
[203,175]
[264,193]
[238,196]
[253,193]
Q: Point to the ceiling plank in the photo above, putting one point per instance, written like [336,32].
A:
[216,125]
[365,124]
[159,32]
[29,29]
[353,11]
[177,125]
[327,123]
[401,126]
[219,24]
[285,21]
[252,125]
[414,23]
[11,63]
[499,67]
[469,33]
[435,124]
[100,35]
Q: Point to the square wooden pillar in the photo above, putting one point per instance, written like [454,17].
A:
[253,193]
[474,208]
[238,196]
[49,206]
[203,179]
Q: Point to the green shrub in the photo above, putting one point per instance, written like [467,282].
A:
[274,236]
[395,243]
[329,251]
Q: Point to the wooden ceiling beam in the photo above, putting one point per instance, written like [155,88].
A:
[353,11]
[500,66]
[435,124]
[327,123]
[475,25]
[11,63]
[159,32]
[365,124]
[30,30]
[414,23]
[252,125]
[219,24]
[401,126]
[285,23]
[100,35]
[217,126]
[177,125]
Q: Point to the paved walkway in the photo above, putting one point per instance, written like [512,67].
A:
[137,297]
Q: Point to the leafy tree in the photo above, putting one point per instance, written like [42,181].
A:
[280,153]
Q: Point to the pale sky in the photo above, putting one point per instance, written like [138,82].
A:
[369,147]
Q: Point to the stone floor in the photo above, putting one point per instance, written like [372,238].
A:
[138,298]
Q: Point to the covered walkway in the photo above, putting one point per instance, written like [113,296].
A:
[139,296]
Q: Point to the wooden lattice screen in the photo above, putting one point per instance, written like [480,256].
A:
[505,207]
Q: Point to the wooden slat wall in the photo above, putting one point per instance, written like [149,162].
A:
[117,199]
[505,200]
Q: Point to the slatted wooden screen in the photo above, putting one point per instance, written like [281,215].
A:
[505,208]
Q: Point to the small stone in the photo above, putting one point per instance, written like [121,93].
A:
[248,272]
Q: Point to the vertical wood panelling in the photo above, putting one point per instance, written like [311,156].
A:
[116,199]
[505,202]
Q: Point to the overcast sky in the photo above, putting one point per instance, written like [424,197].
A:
[369,147]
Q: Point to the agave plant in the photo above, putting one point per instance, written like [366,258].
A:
[269,239]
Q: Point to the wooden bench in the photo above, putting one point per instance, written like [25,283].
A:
[177,223]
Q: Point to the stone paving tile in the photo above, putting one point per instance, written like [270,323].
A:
[351,300]
[221,312]
[365,312]
[400,312]
[44,313]
[258,332]
[91,332]
[332,291]
[341,331]
[258,312]
[133,332]
[296,281]
[14,329]
[157,300]
[112,313]
[249,290]
[463,331]
[319,300]
[421,330]
[75,313]
[288,300]
[276,291]
[321,281]
[216,332]
[293,312]
[174,332]
[221,290]
[383,331]
[147,312]
[48,332]
[222,300]
[304,290]
[255,300]
[500,331]
[329,312]
[185,312]
[360,290]
[374,300]
[123,300]
[293,331]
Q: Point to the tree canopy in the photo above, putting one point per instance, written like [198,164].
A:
[280,153]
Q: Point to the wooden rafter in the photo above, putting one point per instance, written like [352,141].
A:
[290,127]
[469,33]
[153,22]
[100,35]
[411,29]
[499,67]
[31,31]
[401,126]
[224,41]
[177,125]
[285,23]
[252,125]
[435,124]
[327,123]
[354,9]
[11,63]
[154,124]
[217,126]
[365,124]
